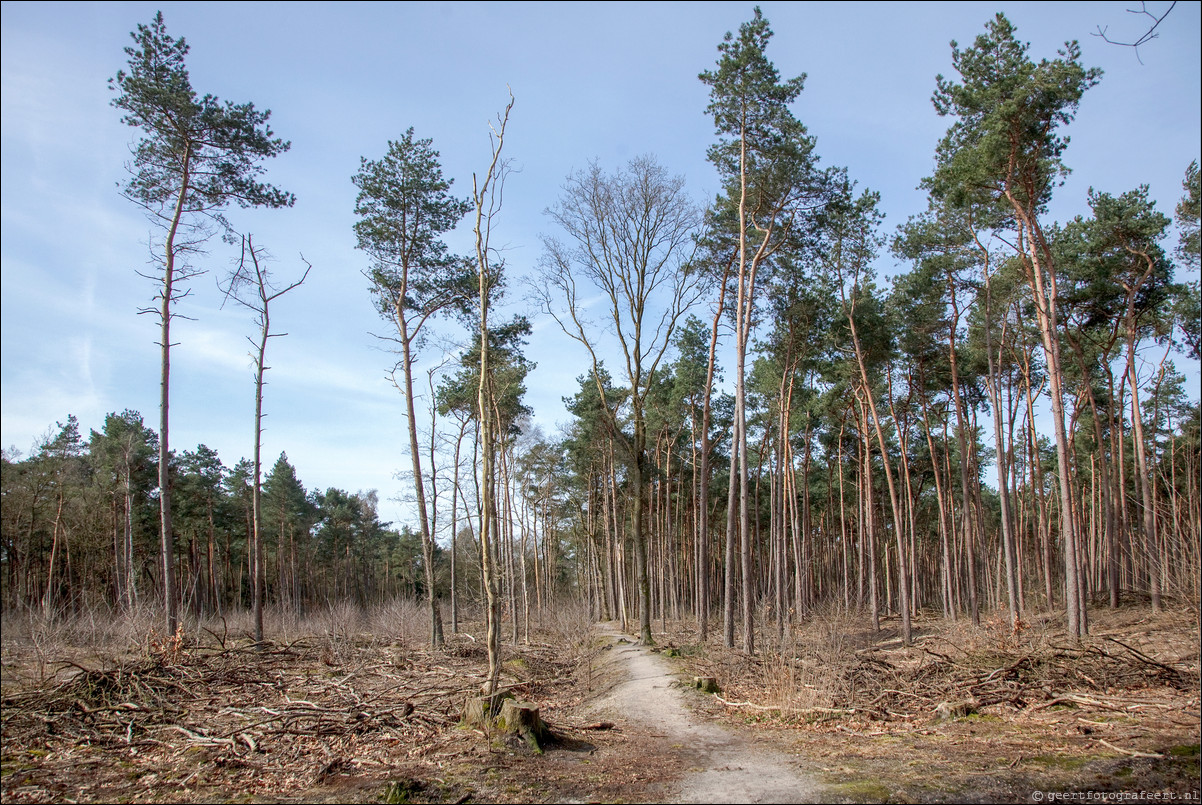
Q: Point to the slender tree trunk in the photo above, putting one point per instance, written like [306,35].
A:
[869,521]
[905,567]
[419,486]
[455,532]
[131,581]
[903,589]
[703,498]
[485,407]
[48,593]
[1102,467]
[995,398]
[1143,478]
[1041,276]
[949,608]
[730,565]
[505,531]
[260,575]
[522,549]
[639,495]
[170,604]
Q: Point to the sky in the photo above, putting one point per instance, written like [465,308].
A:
[591,81]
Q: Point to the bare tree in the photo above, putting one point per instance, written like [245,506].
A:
[250,285]
[632,239]
[487,195]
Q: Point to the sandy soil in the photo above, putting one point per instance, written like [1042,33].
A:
[717,765]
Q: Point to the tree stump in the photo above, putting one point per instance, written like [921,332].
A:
[482,711]
[950,711]
[502,712]
[706,684]
[522,718]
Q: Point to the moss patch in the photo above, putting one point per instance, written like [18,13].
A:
[398,792]
[862,791]
[1064,762]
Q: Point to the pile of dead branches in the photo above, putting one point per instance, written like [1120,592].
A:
[192,718]
[236,698]
[829,673]
[1027,680]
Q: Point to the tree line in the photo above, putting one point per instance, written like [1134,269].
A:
[1000,428]
[80,516]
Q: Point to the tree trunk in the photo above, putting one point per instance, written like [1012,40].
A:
[170,605]
[1041,277]
[423,516]
[995,399]
[260,578]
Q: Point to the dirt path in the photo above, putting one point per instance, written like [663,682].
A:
[718,765]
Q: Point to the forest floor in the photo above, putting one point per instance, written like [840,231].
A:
[356,709]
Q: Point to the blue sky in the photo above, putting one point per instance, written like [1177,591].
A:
[605,81]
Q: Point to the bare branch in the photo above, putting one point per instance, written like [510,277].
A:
[1148,35]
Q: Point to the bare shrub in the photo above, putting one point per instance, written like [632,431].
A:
[811,668]
[569,624]
[134,628]
[402,620]
[228,627]
[240,623]
[47,643]
[336,626]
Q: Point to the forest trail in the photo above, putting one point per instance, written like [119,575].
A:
[718,764]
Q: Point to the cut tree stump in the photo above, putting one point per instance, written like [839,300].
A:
[504,713]
[482,711]
[706,684]
[950,711]
[522,718]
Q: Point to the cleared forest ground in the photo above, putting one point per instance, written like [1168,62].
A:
[357,709]
[1023,715]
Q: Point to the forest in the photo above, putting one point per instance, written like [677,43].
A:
[767,436]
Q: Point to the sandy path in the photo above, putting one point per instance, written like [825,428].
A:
[720,765]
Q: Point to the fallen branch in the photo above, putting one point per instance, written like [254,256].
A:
[745,704]
[205,740]
[1131,752]
[1144,657]
[937,654]
[793,710]
[1072,699]
[842,728]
